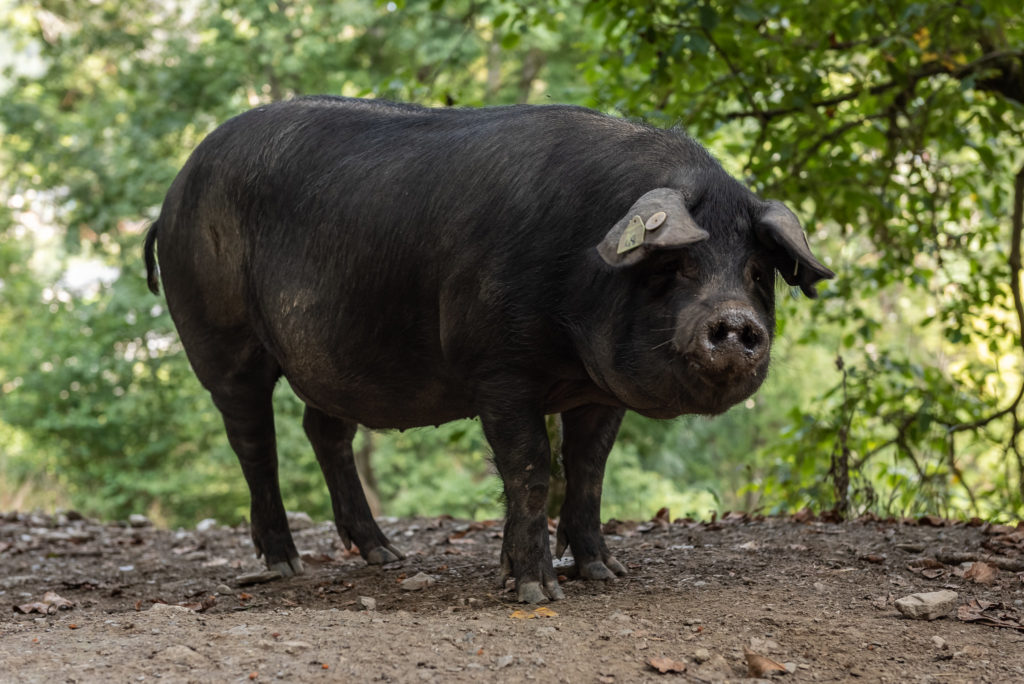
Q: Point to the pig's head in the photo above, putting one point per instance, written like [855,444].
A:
[688,304]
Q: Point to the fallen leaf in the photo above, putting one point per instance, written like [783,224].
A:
[981,573]
[665,665]
[50,604]
[539,612]
[989,613]
[458,538]
[316,558]
[804,515]
[932,521]
[759,666]
[927,567]
[202,606]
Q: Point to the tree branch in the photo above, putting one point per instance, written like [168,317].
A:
[927,70]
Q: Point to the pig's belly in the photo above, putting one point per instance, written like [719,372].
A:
[385,402]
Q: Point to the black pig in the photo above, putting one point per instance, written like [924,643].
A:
[404,266]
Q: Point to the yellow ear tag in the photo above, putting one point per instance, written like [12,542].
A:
[655,221]
[632,237]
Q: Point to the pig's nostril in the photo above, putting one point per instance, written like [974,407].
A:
[718,333]
[751,337]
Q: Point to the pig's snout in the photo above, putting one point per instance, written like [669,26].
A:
[732,341]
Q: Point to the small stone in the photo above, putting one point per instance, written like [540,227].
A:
[257,577]
[367,603]
[206,524]
[137,520]
[223,589]
[702,655]
[293,647]
[299,520]
[168,608]
[819,586]
[417,582]
[940,643]
[182,655]
[927,606]
[504,661]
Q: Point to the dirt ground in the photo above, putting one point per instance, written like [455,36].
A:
[815,597]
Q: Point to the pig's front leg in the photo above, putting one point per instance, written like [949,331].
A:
[522,456]
[588,433]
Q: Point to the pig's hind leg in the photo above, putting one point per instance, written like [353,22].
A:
[332,442]
[588,435]
[242,388]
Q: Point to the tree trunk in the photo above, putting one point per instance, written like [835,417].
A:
[365,471]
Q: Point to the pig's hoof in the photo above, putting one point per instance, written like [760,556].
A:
[288,568]
[535,592]
[383,554]
[598,570]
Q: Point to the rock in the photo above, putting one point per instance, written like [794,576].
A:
[257,577]
[168,608]
[715,669]
[504,661]
[417,582]
[702,655]
[223,589]
[367,603]
[206,524]
[927,606]
[137,520]
[299,520]
[181,655]
[293,647]
[940,643]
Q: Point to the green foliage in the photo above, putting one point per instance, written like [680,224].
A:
[892,128]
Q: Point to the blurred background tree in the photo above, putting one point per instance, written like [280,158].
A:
[894,129]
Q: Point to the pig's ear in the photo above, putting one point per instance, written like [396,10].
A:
[657,221]
[779,228]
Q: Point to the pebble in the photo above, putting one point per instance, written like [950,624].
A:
[181,654]
[206,524]
[257,577]
[168,608]
[928,605]
[367,603]
[223,589]
[939,642]
[299,520]
[504,661]
[137,520]
[702,655]
[419,581]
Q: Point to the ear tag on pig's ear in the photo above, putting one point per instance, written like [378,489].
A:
[656,220]
[633,236]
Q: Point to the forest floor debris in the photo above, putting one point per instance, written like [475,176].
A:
[735,597]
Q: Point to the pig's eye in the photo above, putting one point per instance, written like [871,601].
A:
[761,275]
[669,275]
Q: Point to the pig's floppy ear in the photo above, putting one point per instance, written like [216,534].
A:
[657,221]
[778,227]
